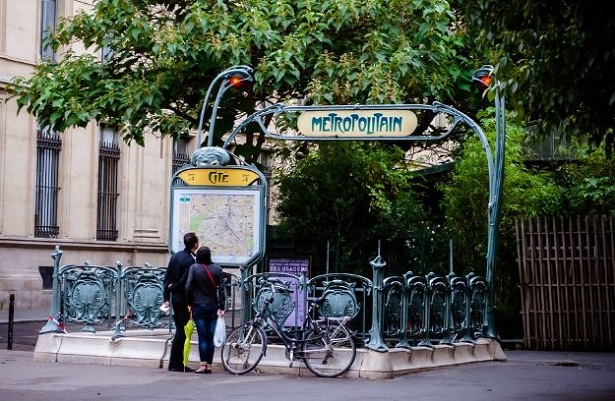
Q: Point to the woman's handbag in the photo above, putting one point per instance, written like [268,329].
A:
[220,332]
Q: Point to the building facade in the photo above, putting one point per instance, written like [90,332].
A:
[85,190]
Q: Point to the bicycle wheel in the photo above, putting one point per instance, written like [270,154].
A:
[243,349]
[330,352]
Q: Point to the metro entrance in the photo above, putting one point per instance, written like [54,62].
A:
[231,194]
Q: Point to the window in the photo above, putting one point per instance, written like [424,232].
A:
[46,273]
[48,146]
[106,53]
[108,165]
[264,158]
[48,24]
[181,155]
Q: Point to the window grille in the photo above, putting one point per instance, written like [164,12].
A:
[108,166]
[264,158]
[181,155]
[48,146]
[106,52]
[48,25]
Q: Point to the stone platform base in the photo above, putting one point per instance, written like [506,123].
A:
[150,348]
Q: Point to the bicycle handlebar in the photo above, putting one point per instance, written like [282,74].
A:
[275,286]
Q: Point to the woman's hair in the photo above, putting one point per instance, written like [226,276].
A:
[203,255]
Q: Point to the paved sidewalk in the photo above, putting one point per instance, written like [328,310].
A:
[25,315]
[526,375]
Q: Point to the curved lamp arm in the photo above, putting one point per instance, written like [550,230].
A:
[243,71]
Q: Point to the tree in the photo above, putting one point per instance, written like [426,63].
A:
[160,57]
[555,60]
[587,184]
[352,194]
[526,193]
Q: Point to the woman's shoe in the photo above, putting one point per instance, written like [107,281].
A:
[203,369]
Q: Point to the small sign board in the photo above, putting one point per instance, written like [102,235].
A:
[292,266]
[289,265]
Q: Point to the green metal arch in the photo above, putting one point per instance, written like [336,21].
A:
[456,117]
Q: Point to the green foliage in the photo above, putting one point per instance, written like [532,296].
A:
[465,198]
[554,59]
[162,57]
[581,186]
[353,194]
[588,184]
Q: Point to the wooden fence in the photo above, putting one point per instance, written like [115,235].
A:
[567,282]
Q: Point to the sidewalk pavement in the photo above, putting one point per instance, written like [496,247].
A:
[25,315]
[526,375]
[149,348]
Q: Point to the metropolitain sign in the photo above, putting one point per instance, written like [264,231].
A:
[353,123]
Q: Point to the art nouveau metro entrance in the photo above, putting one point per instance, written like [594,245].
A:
[390,122]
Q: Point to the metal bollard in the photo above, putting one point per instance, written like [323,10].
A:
[11,321]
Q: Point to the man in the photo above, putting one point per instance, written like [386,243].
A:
[175,291]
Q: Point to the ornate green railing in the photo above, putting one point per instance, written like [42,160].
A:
[398,311]
[104,296]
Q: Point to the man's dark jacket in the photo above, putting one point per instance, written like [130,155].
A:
[176,275]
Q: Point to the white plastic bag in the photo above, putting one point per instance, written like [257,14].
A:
[220,332]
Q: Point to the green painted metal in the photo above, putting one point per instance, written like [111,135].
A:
[339,300]
[434,308]
[459,308]
[395,318]
[405,311]
[89,294]
[376,342]
[413,308]
[282,305]
[354,307]
[454,118]
[495,189]
[142,291]
[495,164]
[243,70]
[54,325]
[94,295]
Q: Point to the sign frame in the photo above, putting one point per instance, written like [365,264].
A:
[207,207]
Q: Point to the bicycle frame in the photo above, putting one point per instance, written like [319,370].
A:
[265,320]
[325,346]
[293,344]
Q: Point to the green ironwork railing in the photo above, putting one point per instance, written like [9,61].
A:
[397,311]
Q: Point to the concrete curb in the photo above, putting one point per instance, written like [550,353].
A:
[150,348]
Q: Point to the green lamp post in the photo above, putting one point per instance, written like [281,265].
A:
[239,77]
[485,79]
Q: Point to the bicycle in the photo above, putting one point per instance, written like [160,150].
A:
[325,346]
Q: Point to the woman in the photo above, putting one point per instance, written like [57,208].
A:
[206,298]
